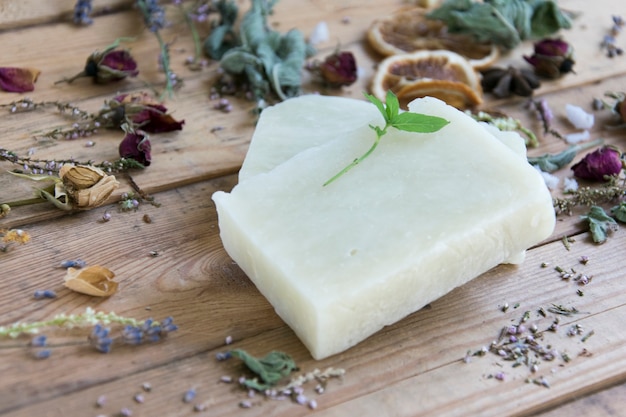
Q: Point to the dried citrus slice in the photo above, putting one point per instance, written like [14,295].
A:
[441,74]
[408,30]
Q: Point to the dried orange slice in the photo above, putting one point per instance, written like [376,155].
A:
[408,30]
[441,74]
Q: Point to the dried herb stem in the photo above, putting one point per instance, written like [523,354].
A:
[590,196]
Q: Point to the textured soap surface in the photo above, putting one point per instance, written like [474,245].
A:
[422,215]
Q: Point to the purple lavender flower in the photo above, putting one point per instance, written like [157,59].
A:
[99,338]
[82,10]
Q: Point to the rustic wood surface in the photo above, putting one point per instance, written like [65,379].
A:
[413,367]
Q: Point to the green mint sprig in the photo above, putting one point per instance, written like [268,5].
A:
[406,121]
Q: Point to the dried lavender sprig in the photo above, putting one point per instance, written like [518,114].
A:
[89,318]
[546,116]
[154,19]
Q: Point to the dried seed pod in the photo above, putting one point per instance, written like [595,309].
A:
[504,82]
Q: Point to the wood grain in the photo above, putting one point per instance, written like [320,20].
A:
[413,367]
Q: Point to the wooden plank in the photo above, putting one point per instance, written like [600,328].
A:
[196,153]
[414,365]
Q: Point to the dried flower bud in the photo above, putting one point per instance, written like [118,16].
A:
[595,165]
[95,196]
[80,176]
[18,80]
[136,145]
[339,69]
[94,280]
[108,65]
[83,188]
[552,58]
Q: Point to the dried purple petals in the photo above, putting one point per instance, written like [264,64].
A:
[136,146]
[189,395]
[18,80]
[610,41]
[39,294]
[73,263]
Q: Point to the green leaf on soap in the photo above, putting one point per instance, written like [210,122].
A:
[392,107]
[600,224]
[406,121]
[270,369]
[419,123]
[379,105]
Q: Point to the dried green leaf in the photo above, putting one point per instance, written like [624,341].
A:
[503,22]
[270,369]
[600,224]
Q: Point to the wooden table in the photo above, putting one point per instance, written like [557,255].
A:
[175,265]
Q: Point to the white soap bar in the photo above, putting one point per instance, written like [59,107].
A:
[420,216]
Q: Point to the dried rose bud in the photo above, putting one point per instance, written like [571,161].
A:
[146,113]
[95,196]
[108,65]
[339,69]
[552,58]
[82,187]
[595,165]
[80,176]
[18,80]
[136,145]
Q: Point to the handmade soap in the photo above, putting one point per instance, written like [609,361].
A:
[420,216]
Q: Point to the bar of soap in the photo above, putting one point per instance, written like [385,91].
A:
[420,216]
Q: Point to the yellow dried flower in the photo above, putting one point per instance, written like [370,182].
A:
[16,236]
[83,188]
[93,280]
[96,195]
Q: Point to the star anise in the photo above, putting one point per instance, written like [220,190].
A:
[503,82]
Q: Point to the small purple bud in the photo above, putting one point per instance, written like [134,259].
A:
[339,69]
[552,58]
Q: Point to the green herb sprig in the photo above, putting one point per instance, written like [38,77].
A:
[406,121]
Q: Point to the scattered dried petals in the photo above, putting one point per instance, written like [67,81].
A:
[93,280]
[18,80]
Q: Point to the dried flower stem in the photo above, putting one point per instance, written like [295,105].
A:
[41,166]
[89,318]
[26,105]
[588,196]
